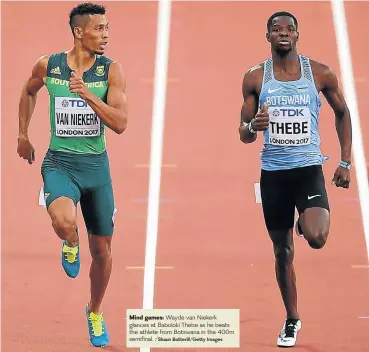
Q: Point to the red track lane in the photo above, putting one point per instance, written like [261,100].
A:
[42,309]
[212,231]
[358,26]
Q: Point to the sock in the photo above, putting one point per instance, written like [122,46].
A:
[293,320]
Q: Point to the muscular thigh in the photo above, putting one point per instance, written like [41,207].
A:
[61,198]
[311,192]
[97,205]
[57,182]
[277,195]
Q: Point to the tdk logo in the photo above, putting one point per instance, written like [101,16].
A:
[74,103]
[290,112]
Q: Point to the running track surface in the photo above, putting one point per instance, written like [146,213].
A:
[211,230]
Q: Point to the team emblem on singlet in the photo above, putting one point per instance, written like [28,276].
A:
[289,125]
[75,118]
[100,71]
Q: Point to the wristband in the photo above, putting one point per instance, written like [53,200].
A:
[250,127]
[345,165]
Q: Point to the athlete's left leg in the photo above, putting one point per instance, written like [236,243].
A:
[100,270]
[314,223]
[97,207]
[313,207]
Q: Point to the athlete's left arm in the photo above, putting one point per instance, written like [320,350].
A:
[335,98]
[114,112]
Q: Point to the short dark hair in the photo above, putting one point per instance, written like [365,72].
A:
[278,14]
[84,9]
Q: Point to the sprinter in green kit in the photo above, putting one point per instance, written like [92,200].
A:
[86,94]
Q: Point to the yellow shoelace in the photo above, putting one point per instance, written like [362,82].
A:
[70,253]
[97,323]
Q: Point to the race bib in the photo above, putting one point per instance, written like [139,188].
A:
[75,118]
[289,126]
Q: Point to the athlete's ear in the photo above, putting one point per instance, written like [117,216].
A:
[78,32]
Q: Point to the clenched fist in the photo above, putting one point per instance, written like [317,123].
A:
[26,150]
[341,177]
[76,85]
[261,120]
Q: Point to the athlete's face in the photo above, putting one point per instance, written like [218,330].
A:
[283,34]
[94,35]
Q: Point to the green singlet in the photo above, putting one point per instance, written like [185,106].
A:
[74,125]
[76,166]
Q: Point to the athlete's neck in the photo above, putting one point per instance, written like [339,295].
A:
[285,62]
[80,60]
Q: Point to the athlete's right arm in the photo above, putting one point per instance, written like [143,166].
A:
[252,121]
[27,105]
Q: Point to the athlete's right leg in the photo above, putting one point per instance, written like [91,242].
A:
[278,208]
[61,197]
[63,214]
[285,272]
